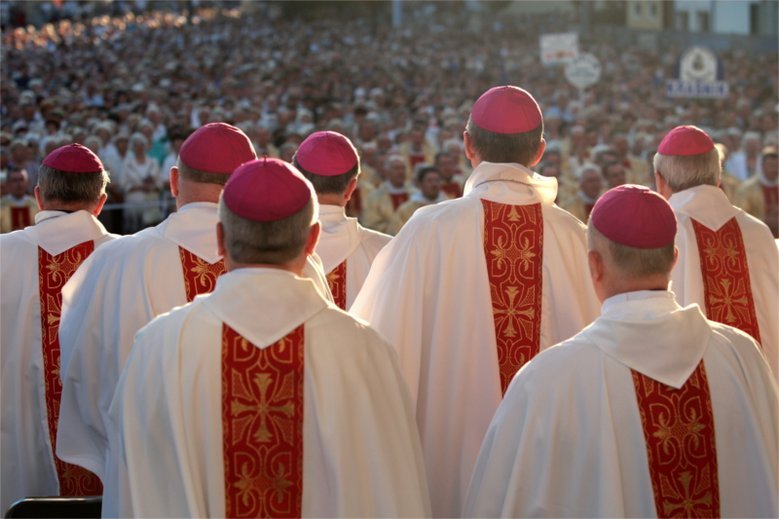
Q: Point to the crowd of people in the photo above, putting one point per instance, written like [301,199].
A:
[566,315]
[394,90]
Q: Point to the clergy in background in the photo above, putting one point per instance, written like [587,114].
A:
[651,411]
[470,289]
[347,249]
[35,263]
[728,260]
[273,401]
[17,208]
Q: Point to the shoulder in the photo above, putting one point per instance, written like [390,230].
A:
[562,218]
[731,342]
[343,330]
[16,239]
[123,248]
[369,236]
[557,370]
[749,223]
[169,322]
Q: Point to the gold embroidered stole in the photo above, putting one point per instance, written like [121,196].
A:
[727,288]
[262,420]
[336,280]
[199,275]
[679,435]
[513,246]
[53,273]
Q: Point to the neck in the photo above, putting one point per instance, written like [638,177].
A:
[331,199]
[295,266]
[623,286]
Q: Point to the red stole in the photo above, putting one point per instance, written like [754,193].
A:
[199,275]
[452,189]
[262,421]
[727,290]
[397,199]
[53,273]
[415,158]
[679,435]
[513,247]
[20,217]
[336,280]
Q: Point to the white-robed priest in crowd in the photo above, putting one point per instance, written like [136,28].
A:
[728,261]
[35,263]
[347,249]
[139,277]
[471,289]
[262,398]
[651,411]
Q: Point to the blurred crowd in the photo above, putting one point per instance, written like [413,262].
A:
[132,87]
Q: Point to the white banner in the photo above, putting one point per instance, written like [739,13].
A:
[559,48]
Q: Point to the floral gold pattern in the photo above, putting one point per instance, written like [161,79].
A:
[53,273]
[199,275]
[513,246]
[336,280]
[262,417]
[726,284]
[679,433]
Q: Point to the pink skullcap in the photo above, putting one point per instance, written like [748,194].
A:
[73,158]
[266,190]
[506,109]
[327,154]
[217,148]
[634,216]
[685,140]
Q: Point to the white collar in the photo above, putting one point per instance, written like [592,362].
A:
[263,304]
[706,204]
[58,231]
[628,322]
[543,188]
[193,227]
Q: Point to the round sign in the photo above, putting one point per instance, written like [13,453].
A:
[698,64]
[583,71]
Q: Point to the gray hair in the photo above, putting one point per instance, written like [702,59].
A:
[270,243]
[631,262]
[59,186]
[335,184]
[199,176]
[521,148]
[685,171]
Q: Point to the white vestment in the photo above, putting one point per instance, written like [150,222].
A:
[568,441]
[710,207]
[344,239]
[26,455]
[361,453]
[109,298]
[428,292]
